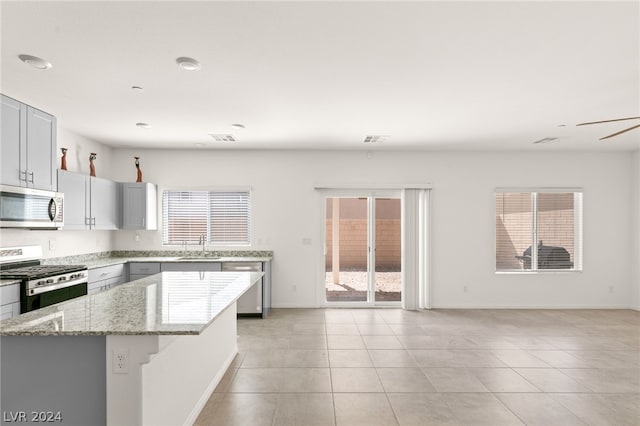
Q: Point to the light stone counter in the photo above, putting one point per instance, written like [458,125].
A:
[170,303]
[99,260]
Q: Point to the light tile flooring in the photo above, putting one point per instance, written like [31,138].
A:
[441,367]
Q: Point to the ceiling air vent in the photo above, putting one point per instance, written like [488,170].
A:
[545,140]
[375,138]
[223,138]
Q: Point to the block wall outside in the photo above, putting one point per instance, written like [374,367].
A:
[514,223]
[353,244]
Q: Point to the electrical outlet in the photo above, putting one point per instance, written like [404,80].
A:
[121,361]
[137,237]
[52,245]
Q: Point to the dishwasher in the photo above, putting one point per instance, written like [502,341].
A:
[250,303]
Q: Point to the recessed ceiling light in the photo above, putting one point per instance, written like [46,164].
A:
[188,64]
[199,144]
[137,89]
[238,126]
[35,62]
[375,138]
[144,125]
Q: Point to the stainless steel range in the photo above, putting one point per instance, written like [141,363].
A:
[41,285]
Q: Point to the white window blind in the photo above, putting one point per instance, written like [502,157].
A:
[222,216]
[549,221]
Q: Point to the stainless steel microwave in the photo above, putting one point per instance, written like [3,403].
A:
[30,208]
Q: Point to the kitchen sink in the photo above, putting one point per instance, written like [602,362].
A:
[198,258]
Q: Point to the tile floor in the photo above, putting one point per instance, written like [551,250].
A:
[440,367]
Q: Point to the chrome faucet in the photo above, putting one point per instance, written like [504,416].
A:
[203,240]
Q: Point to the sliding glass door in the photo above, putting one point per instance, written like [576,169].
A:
[363,250]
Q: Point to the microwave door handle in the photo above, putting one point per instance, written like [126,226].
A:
[53,209]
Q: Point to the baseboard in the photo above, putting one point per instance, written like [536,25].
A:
[209,391]
[304,306]
[527,307]
[294,305]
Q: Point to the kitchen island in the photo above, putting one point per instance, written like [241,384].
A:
[149,352]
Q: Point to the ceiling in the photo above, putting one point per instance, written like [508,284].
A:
[324,75]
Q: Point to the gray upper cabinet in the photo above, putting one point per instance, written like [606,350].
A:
[14,139]
[139,206]
[41,146]
[75,187]
[28,146]
[104,204]
[89,202]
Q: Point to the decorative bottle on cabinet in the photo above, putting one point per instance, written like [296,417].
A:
[63,160]
[139,173]
[92,167]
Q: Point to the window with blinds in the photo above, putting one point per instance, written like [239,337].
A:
[223,217]
[549,221]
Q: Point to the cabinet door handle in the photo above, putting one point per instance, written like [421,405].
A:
[22,173]
[87,221]
[143,221]
[32,176]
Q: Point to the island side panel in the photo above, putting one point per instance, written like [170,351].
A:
[169,378]
[180,378]
[53,374]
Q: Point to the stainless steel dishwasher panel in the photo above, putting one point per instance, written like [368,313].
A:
[250,303]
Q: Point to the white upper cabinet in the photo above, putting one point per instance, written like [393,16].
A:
[28,146]
[89,202]
[139,206]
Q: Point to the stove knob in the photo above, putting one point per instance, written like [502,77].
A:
[49,281]
[62,279]
[72,276]
[40,283]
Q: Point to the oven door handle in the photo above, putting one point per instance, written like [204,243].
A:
[45,289]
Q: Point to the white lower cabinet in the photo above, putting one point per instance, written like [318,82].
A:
[101,279]
[139,270]
[191,266]
[10,301]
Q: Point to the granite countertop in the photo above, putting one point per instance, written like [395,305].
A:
[99,260]
[170,303]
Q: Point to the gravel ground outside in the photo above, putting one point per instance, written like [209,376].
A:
[353,286]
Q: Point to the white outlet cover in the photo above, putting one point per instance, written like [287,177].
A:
[121,361]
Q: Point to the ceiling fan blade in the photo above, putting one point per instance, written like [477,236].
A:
[620,132]
[608,121]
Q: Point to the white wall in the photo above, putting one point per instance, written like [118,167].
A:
[286,209]
[69,242]
[635,227]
